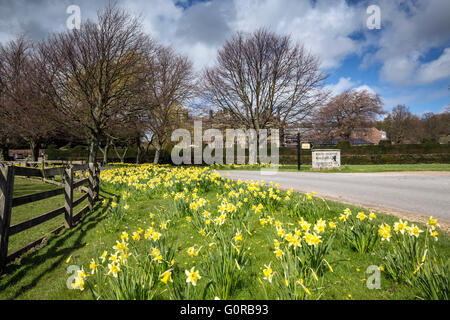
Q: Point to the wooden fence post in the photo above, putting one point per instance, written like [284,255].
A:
[43,171]
[6,196]
[68,194]
[97,182]
[91,196]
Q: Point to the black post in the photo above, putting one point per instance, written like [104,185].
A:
[298,151]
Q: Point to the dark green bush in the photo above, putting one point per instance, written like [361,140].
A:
[385,153]
[430,141]
[343,145]
[384,143]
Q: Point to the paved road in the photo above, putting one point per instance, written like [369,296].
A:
[419,194]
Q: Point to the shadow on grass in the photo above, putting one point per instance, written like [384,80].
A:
[54,248]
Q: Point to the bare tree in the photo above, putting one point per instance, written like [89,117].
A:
[350,110]
[402,126]
[104,146]
[447,109]
[264,80]
[169,84]
[92,75]
[121,135]
[124,133]
[138,126]
[4,132]
[435,125]
[28,113]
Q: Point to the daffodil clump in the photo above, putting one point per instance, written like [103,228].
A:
[133,268]
[310,207]
[361,231]
[411,256]
[116,213]
[222,220]
[221,166]
[299,252]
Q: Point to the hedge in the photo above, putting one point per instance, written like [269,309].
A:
[380,154]
[378,159]
[82,153]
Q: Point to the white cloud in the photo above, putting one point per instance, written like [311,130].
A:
[324,28]
[159,17]
[409,31]
[436,69]
[400,70]
[408,70]
[346,83]
[366,87]
[342,85]
[200,29]
[202,55]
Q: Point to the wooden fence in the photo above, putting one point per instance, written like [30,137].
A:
[67,187]
[41,163]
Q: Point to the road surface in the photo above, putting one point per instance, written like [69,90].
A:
[412,194]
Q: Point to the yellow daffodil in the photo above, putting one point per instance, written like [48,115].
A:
[192,276]
[268,273]
[385,232]
[361,216]
[166,276]
[114,269]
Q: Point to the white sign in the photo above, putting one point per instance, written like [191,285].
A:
[306,146]
[326,158]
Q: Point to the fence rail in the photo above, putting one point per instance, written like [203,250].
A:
[7,201]
[28,163]
[41,169]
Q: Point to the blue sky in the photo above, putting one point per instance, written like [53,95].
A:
[407,61]
[420,98]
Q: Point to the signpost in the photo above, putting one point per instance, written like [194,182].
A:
[300,146]
[298,151]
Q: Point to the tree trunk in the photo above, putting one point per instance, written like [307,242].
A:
[93,149]
[121,157]
[34,145]
[347,136]
[105,155]
[258,134]
[105,151]
[3,152]
[139,149]
[282,135]
[157,154]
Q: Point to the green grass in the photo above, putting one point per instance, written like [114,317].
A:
[42,274]
[22,213]
[357,167]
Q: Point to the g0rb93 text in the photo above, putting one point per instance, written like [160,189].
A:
[246,309]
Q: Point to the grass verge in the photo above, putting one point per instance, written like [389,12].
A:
[349,168]
[43,274]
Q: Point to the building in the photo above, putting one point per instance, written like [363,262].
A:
[288,135]
[367,136]
[444,139]
[362,136]
[18,154]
